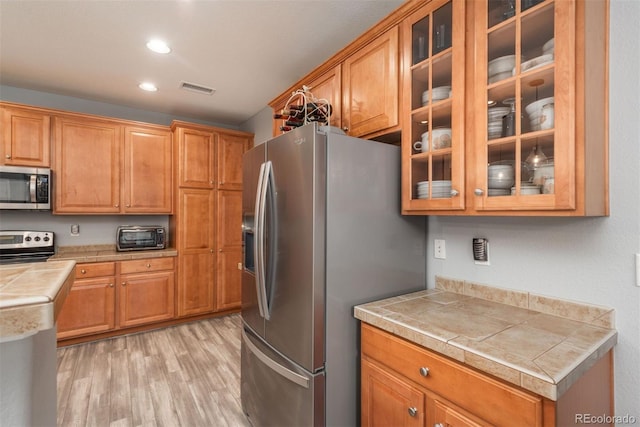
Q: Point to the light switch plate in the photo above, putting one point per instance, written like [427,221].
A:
[439,249]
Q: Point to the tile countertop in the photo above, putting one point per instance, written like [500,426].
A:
[105,253]
[539,343]
[31,296]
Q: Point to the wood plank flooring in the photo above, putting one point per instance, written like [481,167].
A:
[185,375]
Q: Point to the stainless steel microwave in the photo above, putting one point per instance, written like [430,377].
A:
[25,188]
[140,238]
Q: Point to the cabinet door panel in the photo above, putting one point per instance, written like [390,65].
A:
[197,223]
[230,150]
[196,154]
[87,166]
[447,416]
[370,86]
[146,298]
[389,401]
[229,283]
[197,281]
[229,218]
[25,137]
[148,170]
[88,309]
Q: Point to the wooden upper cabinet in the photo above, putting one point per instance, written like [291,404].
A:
[370,86]
[230,149]
[196,156]
[87,158]
[148,165]
[104,166]
[25,137]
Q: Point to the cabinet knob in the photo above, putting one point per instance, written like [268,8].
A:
[111,285]
[454,193]
[239,266]
[7,156]
[124,283]
[345,128]
[424,371]
[478,192]
[83,271]
[116,206]
[148,265]
[211,250]
[128,206]
[438,425]
[413,411]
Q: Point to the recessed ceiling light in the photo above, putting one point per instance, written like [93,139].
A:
[158,46]
[149,87]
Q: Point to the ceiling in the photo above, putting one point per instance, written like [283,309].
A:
[249,51]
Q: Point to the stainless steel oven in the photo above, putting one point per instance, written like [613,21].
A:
[18,246]
[25,188]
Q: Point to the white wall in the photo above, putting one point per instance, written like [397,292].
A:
[583,259]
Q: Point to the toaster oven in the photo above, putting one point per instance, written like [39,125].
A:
[140,238]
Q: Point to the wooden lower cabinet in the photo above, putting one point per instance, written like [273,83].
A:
[107,296]
[404,384]
[229,289]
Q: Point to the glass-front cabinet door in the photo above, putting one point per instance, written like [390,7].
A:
[528,103]
[433,128]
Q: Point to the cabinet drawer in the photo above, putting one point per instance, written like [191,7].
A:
[148,264]
[479,394]
[95,269]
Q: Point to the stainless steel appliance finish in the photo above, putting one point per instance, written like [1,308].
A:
[25,188]
[140,237]
[322,232]
[18,246]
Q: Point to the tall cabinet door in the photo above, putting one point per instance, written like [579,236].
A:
[196,270]
[148,170]
[86,165]
[229,150]
[370,86]
[229,237]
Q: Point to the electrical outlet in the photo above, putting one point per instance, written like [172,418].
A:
[439,250]
[75,229]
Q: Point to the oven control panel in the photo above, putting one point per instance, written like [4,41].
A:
[25,239]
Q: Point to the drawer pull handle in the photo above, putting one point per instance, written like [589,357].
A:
[413,411]
[83,271]
[424,371]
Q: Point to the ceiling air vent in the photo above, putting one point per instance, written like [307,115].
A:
[197,88]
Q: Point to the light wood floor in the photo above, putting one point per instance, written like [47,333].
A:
[186,375]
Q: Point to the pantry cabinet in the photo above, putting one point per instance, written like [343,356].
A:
[25,136]
[534,102]
[107,296]
[109,167]
[208,217]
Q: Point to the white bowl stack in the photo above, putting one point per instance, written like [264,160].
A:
[501,68]
[534,111]
[526,189]
[500,177]
[439,93]
[494,122]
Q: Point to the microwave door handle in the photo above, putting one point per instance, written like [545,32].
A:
[32,188]
[258,241]
[262,285]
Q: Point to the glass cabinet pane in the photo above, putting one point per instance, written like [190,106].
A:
[520,98]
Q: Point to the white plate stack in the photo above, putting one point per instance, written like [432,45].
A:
[494,121]
[440,189]
[423,189]
[439,93]
[501,68]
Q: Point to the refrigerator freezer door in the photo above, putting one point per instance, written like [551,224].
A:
[276,392]
[251,165]
[296,270]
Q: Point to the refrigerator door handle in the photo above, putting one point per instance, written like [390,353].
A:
[276,367]
[259,250]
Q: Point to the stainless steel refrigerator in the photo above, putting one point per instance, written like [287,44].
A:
[322,233]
